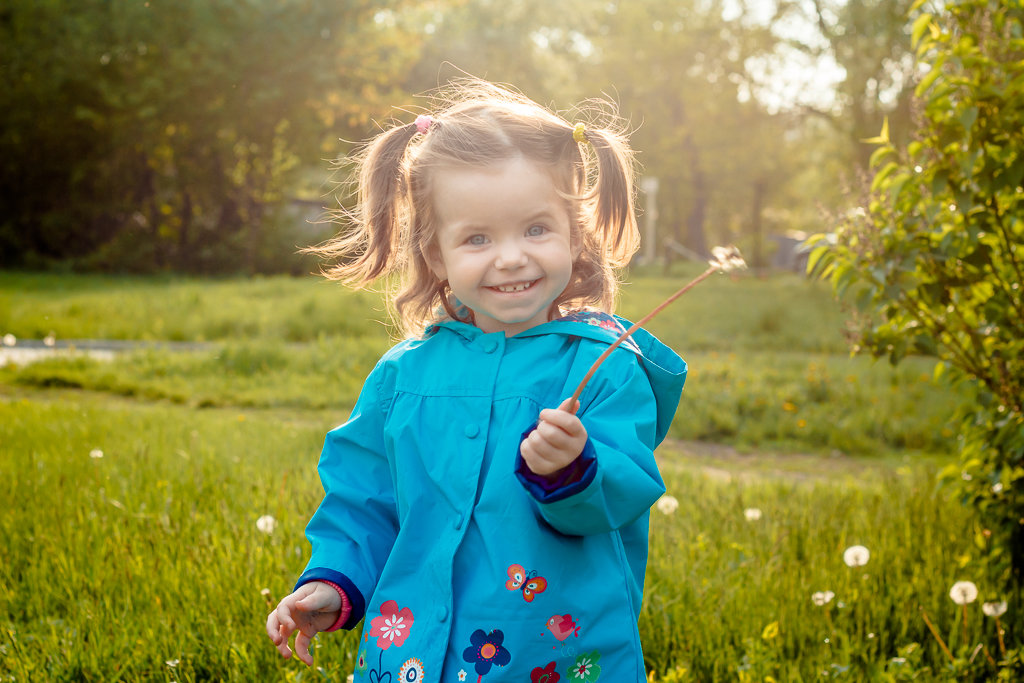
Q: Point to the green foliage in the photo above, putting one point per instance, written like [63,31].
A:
[144,136]
[934,258]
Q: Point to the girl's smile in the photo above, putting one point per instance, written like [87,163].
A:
[503,241]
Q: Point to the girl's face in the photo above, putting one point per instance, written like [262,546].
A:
[503,242]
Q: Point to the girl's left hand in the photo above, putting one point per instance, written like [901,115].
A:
[558,439]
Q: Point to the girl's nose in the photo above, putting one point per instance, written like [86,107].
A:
[510,256]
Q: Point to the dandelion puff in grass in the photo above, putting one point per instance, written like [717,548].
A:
[95,454]
[822,598]
[963,592]
[10,340]
[994,609]
[752,514]
[856,556]
[667,504]
[172,662]
[266,524]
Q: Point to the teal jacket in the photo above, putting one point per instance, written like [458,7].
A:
[463,566]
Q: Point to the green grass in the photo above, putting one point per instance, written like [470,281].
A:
[114,566]
[769,366]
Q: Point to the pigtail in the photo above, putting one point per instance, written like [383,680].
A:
[375,243]
[614,214]
[608,233]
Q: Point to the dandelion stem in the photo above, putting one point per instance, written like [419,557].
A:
[965,622]
[931,627]
[625,335]
[999,634]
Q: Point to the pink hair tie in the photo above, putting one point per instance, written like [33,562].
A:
[423,123]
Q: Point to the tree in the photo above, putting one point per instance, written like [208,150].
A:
[870,41]
[165,135]
[679,70]
[936,255]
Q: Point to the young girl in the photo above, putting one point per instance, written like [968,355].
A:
[486,527]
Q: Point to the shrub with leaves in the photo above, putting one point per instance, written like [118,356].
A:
[934,259]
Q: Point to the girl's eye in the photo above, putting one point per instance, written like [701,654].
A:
[536,231]
[477,240]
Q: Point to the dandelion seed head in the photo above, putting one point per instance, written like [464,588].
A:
[667,504]
[822,598]
[994,609]
[752,514]
[856,556]
[172,662]
[10,340]
[95,454]
[963,592]
[727,259]
[997,487]
[266,524]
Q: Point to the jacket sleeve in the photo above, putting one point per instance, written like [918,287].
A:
[354,529]
[620,479]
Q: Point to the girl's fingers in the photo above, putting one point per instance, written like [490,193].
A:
[565,421]
[302,648]
[282,643]
[570,405]
[555,436]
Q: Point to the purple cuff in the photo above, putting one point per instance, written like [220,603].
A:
[566,482]
[570,474]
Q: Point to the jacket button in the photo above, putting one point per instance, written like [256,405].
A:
[489,346]
[471,431]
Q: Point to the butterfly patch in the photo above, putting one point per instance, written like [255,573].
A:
[527,582]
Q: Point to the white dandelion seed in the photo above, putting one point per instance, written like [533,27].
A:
[752,514]
[856,556]
[994,609]
[997,487]
[822,598]
[727,259]
[963,592]
[172,662]
[10,340]
[266,524]
[667,504]
[50,340]
[95,454]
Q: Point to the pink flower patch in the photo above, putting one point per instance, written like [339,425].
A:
[392,626]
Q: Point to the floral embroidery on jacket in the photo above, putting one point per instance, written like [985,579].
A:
[411,671]
[392,626]
[585,669]
[486,651]
[547,674]
[602,320]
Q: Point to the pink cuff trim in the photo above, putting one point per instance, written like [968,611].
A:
[346,607]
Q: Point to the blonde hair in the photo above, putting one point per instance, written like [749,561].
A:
[476,124]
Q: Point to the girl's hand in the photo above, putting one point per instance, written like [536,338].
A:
[312,608]
[558,439]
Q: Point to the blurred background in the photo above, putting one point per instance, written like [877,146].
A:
[197,136]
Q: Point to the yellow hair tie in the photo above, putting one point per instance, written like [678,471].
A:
[579,133]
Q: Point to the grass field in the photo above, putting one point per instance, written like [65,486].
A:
[132,488]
